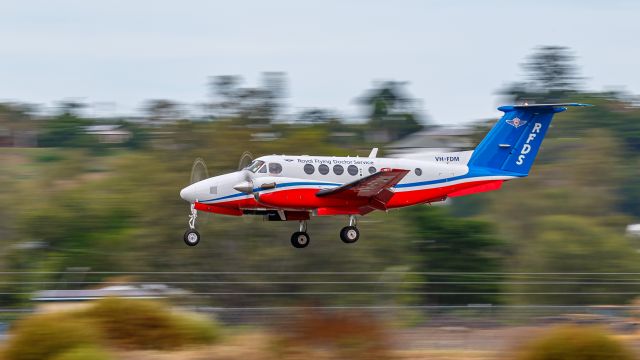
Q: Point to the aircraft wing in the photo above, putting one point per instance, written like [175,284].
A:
[376,187]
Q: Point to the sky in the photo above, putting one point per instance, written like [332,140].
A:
[455,55]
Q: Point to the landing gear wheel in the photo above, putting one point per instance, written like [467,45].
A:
[349,234]
[191,237]
[300,239]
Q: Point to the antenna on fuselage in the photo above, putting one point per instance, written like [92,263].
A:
[373,153]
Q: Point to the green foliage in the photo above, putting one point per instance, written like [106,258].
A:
[69,208]
[78,219]
[196,328]
[573,244]
[574,343]
[133,324]
[44,336]
[444,243]
[143,324]
[66,130]
[84,353]
[49,157]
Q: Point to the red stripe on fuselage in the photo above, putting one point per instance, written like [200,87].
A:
[305,198]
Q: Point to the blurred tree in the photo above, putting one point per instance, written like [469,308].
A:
[254,105]
[552,75]
[66,130]
[448,244]
[79,227]
[162,111]
[72,107]
[572,244]
[315,116]
[390,111]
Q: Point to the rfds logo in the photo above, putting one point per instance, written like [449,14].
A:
[516,122]
[526,148]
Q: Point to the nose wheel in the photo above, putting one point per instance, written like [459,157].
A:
[300,239]
[191,236]
[350,234]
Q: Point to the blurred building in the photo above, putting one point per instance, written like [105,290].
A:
[57,300]
[109,134]
[16,137]
[435,139]
[633,230]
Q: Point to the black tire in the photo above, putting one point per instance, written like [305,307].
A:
[191,237]
[349,234]
[300,239]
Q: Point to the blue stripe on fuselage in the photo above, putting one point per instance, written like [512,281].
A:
[289,184]
[473,173]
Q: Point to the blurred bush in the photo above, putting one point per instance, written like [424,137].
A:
[341,335]
[574,343]
[143,324]
[84,353]
[196,328]
[124,323]
[45,336]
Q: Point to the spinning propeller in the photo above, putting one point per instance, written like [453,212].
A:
[245,160]
[199,171]
[247,185]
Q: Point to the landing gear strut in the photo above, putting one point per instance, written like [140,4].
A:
[350,234]
[300,239]
[191,236]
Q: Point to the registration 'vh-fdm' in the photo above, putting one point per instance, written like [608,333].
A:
[295,188]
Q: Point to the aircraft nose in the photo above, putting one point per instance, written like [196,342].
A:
[188,193]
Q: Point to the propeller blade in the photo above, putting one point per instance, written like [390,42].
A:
[199,171]
[245,160]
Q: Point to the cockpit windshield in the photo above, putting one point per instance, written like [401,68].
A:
[255,165]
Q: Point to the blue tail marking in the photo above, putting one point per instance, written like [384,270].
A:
[513,143]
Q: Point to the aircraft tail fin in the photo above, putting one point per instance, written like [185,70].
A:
[514,141]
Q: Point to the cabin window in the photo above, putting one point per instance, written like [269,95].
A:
[255,165]
[309,169]
[372,170]
[418,171]
[352,170]
[338,169]
[263,169]
[275,168]
[323,169]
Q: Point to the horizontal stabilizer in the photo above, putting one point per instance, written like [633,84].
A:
[538,106]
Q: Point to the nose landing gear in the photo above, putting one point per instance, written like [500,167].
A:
[350,234]
[300,239]
[191,236]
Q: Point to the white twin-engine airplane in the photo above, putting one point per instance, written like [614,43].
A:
[293,188]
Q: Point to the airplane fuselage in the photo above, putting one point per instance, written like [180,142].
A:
[291,183]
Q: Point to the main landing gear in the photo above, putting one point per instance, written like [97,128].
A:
[191,236]
[350,234]
[300,239]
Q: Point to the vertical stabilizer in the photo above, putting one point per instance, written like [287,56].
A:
[514,141]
